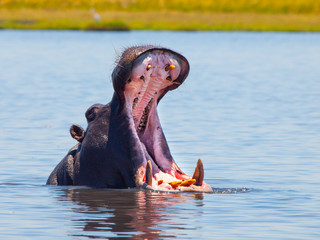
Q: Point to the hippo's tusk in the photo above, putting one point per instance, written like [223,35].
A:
[198,173]
[149,173]
[170,67]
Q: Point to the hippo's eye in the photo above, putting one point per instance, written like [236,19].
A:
[142,78]
[129,80]
[169,78]
[148,67]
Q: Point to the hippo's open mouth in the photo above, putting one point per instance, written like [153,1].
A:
[153,74]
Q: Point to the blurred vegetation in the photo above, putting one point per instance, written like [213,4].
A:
[258,6]
[257,15]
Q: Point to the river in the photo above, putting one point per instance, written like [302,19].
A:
[250,109]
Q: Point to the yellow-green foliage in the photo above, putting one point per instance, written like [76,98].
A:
[258,6]
[82,19]
[255,15]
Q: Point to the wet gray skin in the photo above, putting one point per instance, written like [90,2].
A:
[124,145]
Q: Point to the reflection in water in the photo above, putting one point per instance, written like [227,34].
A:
[126,213]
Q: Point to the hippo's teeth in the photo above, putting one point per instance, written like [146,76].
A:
[187,183]
[177,83]
[143,120]
[198,173]
[175,184]
[149,173]
[183,183]
[135,101]
[170,67]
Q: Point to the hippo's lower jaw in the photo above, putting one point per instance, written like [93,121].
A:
[174,181]
[151,77]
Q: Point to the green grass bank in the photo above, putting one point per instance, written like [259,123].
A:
[250,15]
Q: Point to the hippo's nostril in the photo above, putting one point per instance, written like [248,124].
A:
[142,78]
[169,78]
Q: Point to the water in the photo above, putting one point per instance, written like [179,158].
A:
[249,109]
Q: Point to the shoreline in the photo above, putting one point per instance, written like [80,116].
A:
[82,19]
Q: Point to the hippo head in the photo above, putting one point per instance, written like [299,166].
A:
[124,145]
[143,75]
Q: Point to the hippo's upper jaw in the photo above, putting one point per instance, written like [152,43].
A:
[154,72]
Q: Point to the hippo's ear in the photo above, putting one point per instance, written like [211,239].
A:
[91,113]
[77,132]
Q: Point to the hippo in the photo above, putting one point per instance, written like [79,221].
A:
[124,145]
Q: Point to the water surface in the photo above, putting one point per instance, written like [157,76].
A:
[249,109]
